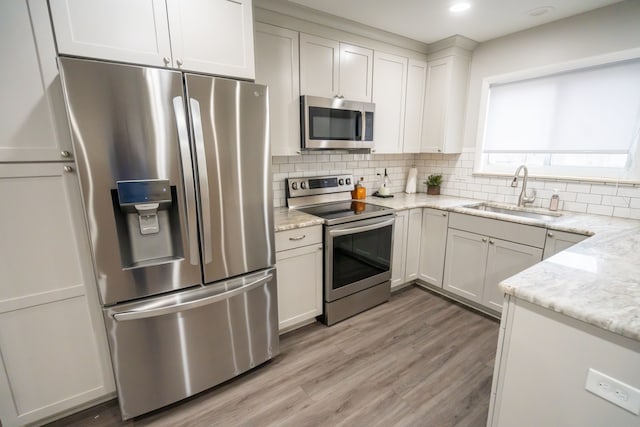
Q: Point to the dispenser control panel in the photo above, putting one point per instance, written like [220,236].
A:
[147,191]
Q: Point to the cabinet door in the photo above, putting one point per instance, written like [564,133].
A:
[433,245]
[504,260]
[434,122]
[389,90]
[52,337]
[356,72]
[34,124]
[212,36]
[416,82]
[399,249]
[277,66]
[118,30]
[558,241]
[299,285]
[413,244]
[465,264]
[319,66]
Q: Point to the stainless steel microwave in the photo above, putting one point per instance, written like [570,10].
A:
[334,123]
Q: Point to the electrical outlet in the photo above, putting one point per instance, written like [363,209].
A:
[615,391]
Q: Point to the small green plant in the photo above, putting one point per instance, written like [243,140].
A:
[434,180]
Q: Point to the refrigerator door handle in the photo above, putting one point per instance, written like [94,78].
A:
[187,176]
[190,305]
[203,180]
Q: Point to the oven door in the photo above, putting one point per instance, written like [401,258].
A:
[357,256]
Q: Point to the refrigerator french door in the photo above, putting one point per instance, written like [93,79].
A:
[175,175]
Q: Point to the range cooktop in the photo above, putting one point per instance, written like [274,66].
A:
[340,212]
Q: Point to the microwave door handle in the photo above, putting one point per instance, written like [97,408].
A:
[203,181]
[362,123]
[353,230]
[145,313]
[187,178]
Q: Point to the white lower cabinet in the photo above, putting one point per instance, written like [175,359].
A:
[399,249]
[433,243]
[476,263]
[299,265]
[558,241]
[412,261]
[52,336]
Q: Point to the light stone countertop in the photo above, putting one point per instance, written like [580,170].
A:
[288,219]
[596,281]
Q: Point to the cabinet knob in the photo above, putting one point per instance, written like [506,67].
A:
[444,214]
[484,239]
[550,234]
[439,150]
[68,169]
[65,154]
[491,242]
[179,62]
[166,60]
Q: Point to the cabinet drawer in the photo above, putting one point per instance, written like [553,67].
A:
[505,230]
[299,237]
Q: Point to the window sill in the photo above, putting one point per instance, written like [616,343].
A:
[592,180]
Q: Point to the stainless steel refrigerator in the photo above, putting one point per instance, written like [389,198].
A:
[176,182]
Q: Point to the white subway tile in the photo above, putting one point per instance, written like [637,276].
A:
[466,193]
[626,213]
[608,190]
[635,203]
[498,198]
[629,191]
[615,201]
[552,185]
[600,210]
[567,196]
[575,207]
[579,188]
[479,195]
[279,159]
[594,199]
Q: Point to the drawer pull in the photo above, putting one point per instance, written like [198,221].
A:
[298,237]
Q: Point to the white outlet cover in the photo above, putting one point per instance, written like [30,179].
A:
[613,390]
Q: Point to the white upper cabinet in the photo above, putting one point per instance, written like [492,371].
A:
[210,36]
[277,67]
[356,72]
[34,123]
[416,82]
[332,69]
[389,91]
[446,91]
[120,30]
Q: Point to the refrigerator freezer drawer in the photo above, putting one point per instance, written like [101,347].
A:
[167,348]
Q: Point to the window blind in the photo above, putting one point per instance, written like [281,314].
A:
[590,110]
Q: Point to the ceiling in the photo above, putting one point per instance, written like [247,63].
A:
[430,20]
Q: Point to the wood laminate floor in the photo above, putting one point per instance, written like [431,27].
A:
[418,360]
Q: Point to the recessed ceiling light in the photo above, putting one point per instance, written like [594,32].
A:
[539,11]
[460,6]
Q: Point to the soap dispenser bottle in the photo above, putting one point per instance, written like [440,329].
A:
[555,201]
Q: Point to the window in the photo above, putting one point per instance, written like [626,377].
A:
[579,123]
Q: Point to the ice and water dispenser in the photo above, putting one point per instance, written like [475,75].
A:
[147,221]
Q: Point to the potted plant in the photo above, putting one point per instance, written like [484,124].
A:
[433,184]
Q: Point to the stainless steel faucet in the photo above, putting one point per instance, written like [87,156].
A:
[523,199]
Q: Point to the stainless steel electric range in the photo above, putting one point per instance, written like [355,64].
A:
[358,242]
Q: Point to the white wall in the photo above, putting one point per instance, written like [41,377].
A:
[610,29]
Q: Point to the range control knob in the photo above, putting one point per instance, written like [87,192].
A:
[341,181]
[348,181]
[294,185]
[303,185]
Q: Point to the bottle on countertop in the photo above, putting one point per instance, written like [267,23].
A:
[360,191]
[555,200]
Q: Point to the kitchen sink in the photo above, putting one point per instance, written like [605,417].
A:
[516,211]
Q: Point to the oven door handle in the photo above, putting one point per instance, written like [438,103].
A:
[353,230]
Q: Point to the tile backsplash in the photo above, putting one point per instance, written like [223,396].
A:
[458,180]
